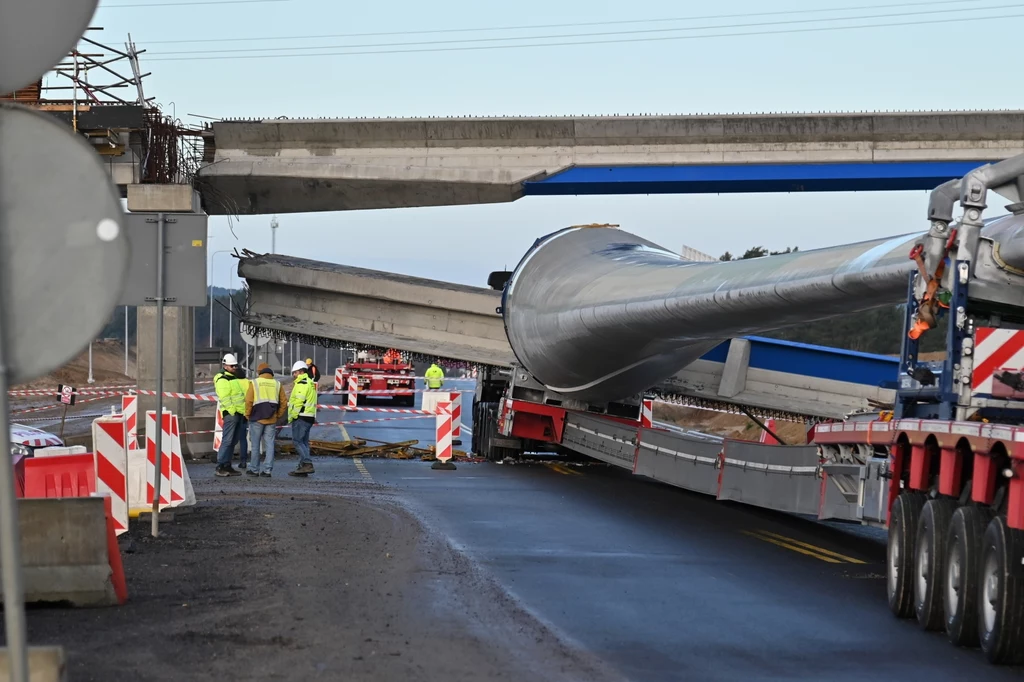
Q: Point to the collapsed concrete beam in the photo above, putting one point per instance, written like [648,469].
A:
[355,305]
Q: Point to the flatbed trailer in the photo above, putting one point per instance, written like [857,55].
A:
[942,470]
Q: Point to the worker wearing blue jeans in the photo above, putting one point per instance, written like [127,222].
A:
[264,405]
[231,399]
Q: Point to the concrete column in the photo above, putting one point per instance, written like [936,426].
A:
[179,351]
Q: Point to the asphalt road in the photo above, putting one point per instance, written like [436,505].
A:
[663,584]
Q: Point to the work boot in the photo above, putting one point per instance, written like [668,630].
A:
[227,470]
[252,472]
[302,470]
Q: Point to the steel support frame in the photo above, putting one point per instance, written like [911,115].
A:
[942,401]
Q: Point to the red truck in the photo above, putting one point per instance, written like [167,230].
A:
[391,377]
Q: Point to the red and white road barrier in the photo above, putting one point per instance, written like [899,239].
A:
[130,410]
[443,422]
[456,403]
[110,438]
[218,429]
[166,448]
[647,414]
[177,465]
[353,391]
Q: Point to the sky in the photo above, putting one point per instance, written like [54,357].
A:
[890,68]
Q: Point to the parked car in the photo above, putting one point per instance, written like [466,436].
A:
[26,439]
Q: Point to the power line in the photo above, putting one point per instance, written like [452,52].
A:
[599,34]
[647,39]
[197,2]
[567,25]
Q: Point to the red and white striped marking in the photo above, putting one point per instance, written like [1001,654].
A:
[443,421]
[351,421]
[766,438]
[456,407]
[218,429]
[387,410]
[995,349]
[647,414]
[110,438]
[339,380]
[130,409]
[33,438]
[166,447]
[353,391]
[177,465]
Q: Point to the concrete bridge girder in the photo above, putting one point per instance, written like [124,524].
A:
[281,166]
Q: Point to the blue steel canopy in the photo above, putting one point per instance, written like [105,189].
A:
[735,178]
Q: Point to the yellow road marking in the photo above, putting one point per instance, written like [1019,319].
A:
[362,469]
[344,431]
[562,469]
[790,547]
[814,548]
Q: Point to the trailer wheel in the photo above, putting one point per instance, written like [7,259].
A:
[930,562]
[963,563]
[906,510]
[1001,594]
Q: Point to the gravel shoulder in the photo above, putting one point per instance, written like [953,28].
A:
[303,580]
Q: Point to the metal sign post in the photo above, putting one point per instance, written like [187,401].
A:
[10,538]
[158,437]
[178,257]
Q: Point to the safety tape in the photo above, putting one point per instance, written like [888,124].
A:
[56,406]
[346,423]
[399,391]
[70,417]
[99,390]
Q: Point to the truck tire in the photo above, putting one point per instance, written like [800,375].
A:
[1001,594]
[930,562]
[963,564]
[906,510]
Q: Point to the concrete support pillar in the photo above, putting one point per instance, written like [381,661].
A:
[179,352]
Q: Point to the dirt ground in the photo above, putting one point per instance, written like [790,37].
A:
[736,426]
[107,368]
[303,582]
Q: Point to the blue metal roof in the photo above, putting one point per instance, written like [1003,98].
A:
[821,362]
[713,179]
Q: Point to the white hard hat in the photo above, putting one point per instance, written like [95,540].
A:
[299,365]
[230,359]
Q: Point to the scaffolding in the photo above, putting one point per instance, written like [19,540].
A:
[98,90]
